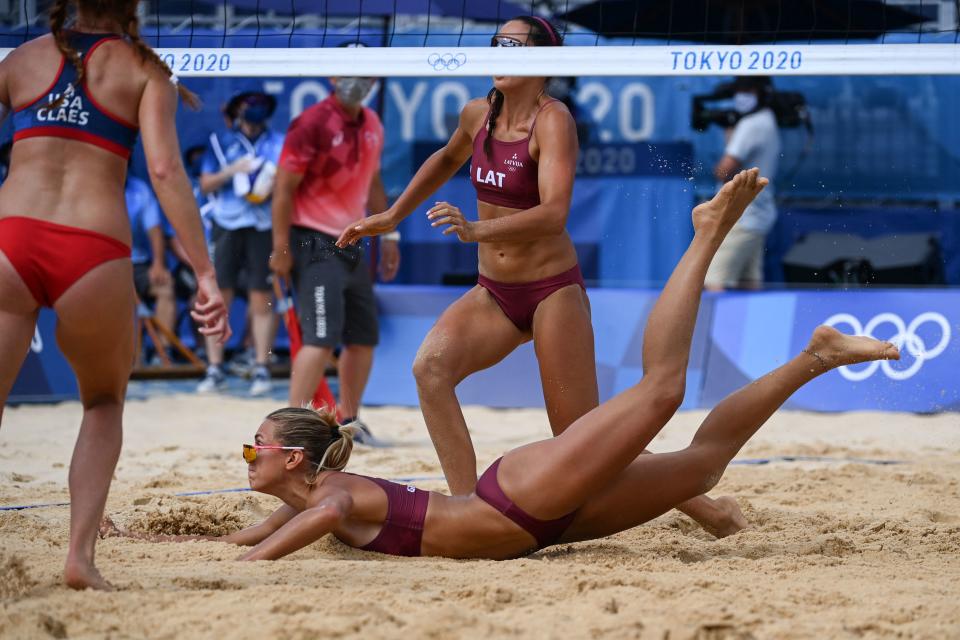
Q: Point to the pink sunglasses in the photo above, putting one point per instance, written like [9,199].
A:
[250,450]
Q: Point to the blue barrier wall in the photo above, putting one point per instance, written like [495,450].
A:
[407,313]
[739,337]
[750,334]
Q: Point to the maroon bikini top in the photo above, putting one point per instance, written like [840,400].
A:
[508,177]
[403,527]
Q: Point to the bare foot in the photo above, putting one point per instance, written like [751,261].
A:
[733,521]
[81,576]
[834,349]
[716,216]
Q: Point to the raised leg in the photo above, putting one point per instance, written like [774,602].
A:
[656,483]
[471,335]
[563,340]
[599,446]
[95,332]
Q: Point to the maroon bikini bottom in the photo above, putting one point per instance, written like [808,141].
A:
[519,300]
[546,532]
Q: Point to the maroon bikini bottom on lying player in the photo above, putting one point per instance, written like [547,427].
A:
[546,532]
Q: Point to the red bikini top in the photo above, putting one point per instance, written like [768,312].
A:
[508,176]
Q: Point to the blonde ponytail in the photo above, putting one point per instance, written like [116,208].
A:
[326,445]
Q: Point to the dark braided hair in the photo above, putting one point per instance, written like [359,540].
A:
[542,34]
[125,12]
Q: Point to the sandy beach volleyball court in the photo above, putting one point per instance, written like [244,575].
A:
[834,549]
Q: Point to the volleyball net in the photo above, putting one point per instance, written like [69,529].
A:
[868,92]
[422,38]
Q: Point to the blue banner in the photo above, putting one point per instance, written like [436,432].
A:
[739,338]
[752,334]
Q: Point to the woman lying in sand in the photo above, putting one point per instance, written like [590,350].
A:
[588,482]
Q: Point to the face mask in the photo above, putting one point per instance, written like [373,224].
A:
[255,113]
[558,88]
[352,91]
[744,102]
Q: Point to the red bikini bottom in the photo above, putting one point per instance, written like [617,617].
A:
[51,257]
[519,300]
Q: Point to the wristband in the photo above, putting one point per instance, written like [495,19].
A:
[393,236]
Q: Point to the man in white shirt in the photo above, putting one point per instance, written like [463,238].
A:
[753,142]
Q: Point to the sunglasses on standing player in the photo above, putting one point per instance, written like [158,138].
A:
[506,41]
[250,450]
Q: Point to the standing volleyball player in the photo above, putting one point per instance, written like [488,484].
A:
[524,148]
[79,97]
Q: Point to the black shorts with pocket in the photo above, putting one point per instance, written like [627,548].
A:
[246,249]
[334,292]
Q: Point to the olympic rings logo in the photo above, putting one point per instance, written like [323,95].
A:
[905,338]
[446,61]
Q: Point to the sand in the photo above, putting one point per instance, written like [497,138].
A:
[834,549]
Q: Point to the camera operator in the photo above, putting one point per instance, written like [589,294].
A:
[753,141]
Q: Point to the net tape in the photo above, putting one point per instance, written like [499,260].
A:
[867,59]
[299,38]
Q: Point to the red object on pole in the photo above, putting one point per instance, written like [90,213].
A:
[323,396]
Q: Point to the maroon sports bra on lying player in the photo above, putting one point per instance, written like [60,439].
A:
[403,527]
[508,177]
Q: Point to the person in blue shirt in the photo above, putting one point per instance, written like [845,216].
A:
[238,170]
[151,278]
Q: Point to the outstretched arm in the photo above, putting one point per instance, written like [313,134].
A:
[556,135]
[245,537]
[306,527]
[438,168]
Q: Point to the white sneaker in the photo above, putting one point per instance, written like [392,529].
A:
[214,381]
[261,382]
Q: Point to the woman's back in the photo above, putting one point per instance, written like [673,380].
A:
[69,174]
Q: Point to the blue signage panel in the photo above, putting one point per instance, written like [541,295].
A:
[754,333]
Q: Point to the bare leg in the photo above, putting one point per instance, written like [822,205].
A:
[654,484]
[599,446]
[261,325]
[166,309]
[306,373]
[214,347]
[96,334]
[18,317]
[471,335]
[563,339]
[353,371]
